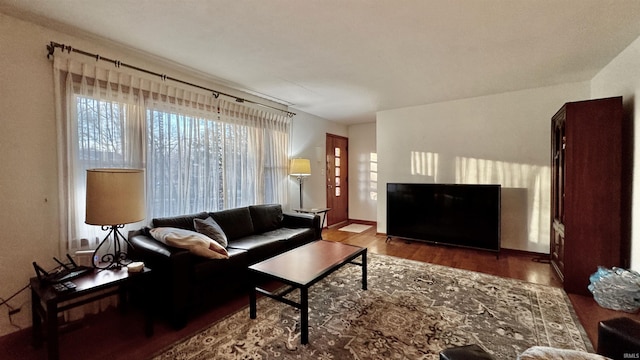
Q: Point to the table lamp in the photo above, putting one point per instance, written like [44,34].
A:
[300,168]
[115,197]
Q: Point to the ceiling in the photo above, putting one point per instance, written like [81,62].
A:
[343,60]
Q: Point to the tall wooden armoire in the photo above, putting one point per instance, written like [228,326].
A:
[591,189]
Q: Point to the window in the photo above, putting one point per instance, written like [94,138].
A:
[199,153]
[184,168]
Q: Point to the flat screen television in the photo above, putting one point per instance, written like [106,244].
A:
[452,214]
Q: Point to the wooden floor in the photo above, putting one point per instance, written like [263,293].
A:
[111,335]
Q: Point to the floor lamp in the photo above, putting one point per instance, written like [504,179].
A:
[115,197]
[300,168]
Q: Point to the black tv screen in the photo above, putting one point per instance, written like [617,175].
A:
[452,214]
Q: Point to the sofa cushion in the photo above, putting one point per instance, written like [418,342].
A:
[180,222]
[211,228]
[259,246]
[196,243]
[292,237]
[266,217]
[235,223]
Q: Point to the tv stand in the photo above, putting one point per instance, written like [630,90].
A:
[406,241]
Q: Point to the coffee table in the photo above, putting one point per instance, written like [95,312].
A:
[300,268]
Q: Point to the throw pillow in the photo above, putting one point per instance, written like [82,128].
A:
[266,217]
[196,243]
[211,228]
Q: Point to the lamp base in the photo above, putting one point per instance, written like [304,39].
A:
[300,184]
[118,258]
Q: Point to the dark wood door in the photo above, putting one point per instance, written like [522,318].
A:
[337,179]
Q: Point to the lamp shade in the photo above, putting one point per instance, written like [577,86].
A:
[300,167]
[115,196]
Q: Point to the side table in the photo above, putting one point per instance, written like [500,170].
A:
[320,211]
[46,302]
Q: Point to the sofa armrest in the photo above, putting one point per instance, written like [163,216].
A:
[143,246]
[172,270]
[302,220]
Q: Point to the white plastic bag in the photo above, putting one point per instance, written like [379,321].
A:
[616,289]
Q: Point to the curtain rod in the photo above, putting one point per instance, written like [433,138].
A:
[53,45]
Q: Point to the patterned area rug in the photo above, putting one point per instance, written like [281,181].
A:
[412,310]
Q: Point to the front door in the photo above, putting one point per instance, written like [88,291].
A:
[337,179]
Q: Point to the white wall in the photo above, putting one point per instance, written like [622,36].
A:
[621,77]
[308,140]
[363,172]
[28,180]
[500,139]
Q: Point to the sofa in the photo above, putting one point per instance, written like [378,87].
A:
[192,275]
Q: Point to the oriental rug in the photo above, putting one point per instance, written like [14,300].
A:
[412,310]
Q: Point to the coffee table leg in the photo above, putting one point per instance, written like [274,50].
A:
[252,297]
[364,270]
[304,315]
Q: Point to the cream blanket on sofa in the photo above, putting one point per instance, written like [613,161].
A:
[549,353]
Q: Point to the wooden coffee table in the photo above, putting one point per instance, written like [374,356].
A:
[300,268]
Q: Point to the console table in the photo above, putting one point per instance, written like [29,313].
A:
[46,303]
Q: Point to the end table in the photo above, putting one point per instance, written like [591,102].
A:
[319,211]
[45,301]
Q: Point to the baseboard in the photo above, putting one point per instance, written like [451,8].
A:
[363,222]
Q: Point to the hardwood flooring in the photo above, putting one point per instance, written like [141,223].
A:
[111,335]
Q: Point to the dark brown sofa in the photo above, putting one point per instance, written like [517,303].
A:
[185,283]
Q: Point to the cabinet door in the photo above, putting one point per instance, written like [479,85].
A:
[558,147]
[557,248]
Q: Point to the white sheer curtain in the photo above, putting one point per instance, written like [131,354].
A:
[215,156]
[184,170]
[258,143]
[200,153]
[100,124]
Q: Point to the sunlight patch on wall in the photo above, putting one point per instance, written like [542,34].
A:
[368,177]
[534,179]
[425,164]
